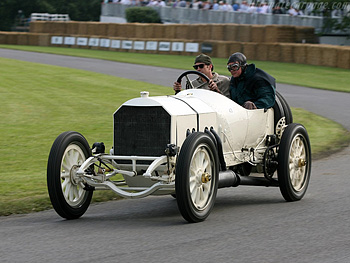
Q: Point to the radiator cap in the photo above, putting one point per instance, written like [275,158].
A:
[144,94]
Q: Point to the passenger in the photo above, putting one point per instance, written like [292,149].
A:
[217,83]
[250,87]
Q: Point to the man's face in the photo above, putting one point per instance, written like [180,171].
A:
[203,68]
[234,69]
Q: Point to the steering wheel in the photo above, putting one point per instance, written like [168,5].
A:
[186,73]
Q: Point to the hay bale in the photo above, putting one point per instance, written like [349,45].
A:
[158,31]
[274,52]
[180,31]
[82,28]
[140,30]
[169,31]
[72,28]
[305,34]
[230,32]
[329,56]
[234,46]
[193,32]
[249,50]
[33,39]
[280,33]
[36,26]
[287,52]
[257,33]
[343,54]
[244,33]
[97,28]
[56,27]
[3,38]
[262,51]
[11,38]
[220,49]
[202,33]
[299,53]
[112,30]
[126,30]
[217,32]
[22,38]
[314,55]
[44,39]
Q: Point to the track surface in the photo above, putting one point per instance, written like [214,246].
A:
[248,224]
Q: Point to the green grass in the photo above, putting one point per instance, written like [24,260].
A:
[289,73]
[38,102]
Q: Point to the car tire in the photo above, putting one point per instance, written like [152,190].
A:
[286,109]
[196,180]
[294,162]
[67,193]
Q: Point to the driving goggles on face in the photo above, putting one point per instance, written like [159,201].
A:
[199,66]
[233,67]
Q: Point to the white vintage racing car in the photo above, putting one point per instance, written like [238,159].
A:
[186,145]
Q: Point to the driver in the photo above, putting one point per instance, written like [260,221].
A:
[217,83]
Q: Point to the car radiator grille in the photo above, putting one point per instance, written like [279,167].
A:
[141,131]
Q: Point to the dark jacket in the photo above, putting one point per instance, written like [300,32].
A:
[254,85]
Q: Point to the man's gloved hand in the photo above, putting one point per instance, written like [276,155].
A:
[249,105]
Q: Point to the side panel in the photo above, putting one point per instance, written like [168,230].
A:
[260,124]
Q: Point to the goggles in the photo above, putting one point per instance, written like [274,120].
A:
[233,67]
[198,66]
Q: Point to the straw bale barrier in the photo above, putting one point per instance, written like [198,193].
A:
[299,54]
[313,54]
[343,54]
[230,32]
[204,32]
[73,28]
[244,33]
[261,51]
[329,56]
[273,52]
[305,34]
[220,49]
[257,33]
[222,32]
[217,32]
[287,52]
[280,33]
[22,39]
[249,49]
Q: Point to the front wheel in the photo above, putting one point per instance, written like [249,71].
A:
[196,180]
[66,190]
[294,162]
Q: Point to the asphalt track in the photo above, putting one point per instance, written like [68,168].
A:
[247,224]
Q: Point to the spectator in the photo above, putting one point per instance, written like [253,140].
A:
[215,5]
[250,87]
[235,7]
[182,3]
[217,83]
[244,6]
[264,8]
[292,11]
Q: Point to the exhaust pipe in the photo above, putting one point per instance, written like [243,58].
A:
[229,178]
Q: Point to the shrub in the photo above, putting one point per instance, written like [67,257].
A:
[142,15]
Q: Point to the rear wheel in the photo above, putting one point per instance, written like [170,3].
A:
[196,180]
[67,194]
[294,162]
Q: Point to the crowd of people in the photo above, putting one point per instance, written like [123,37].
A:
[220,5]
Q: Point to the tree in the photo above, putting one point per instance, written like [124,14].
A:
[78,10]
